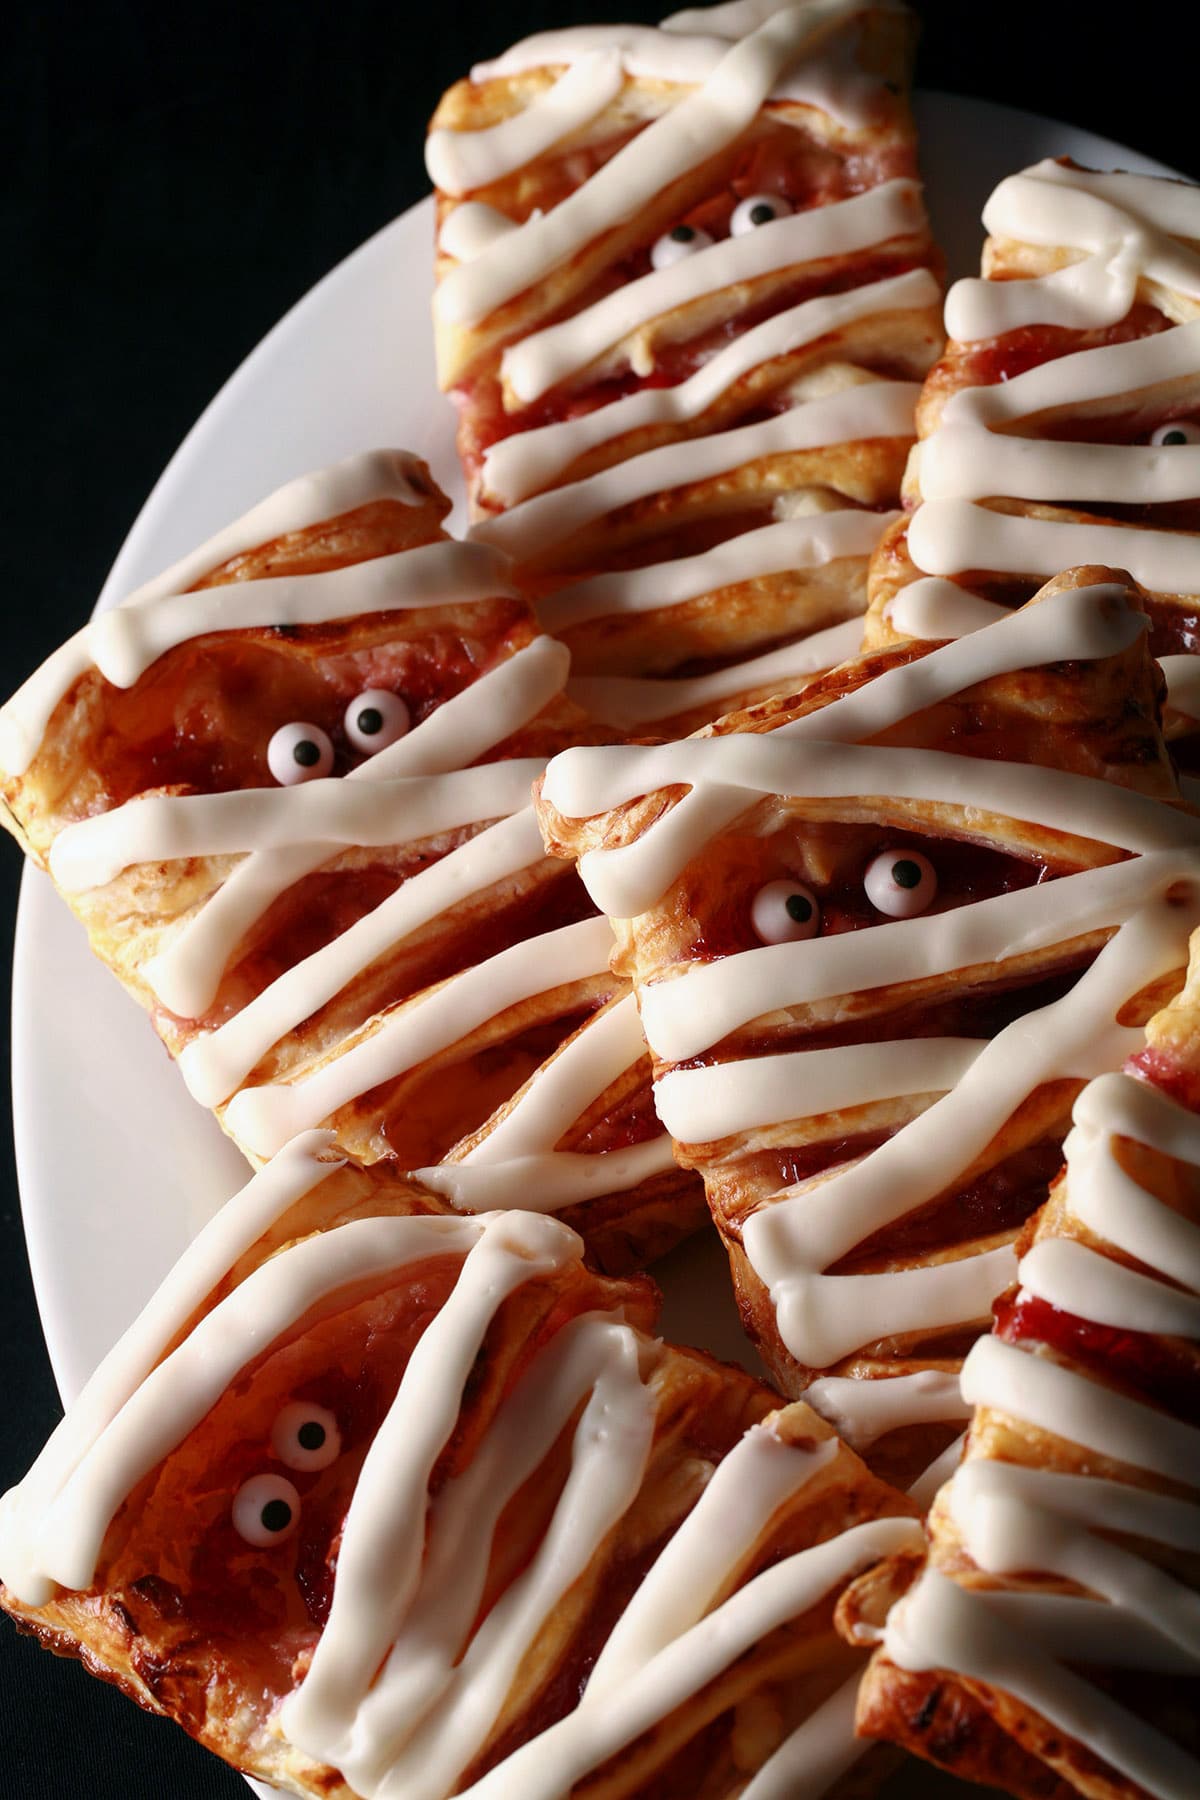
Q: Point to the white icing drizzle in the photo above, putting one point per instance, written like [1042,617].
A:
[1183,683]
[214,1064]
[844,228]
[875,409]
[805,543]
[186,974]
[715,1100]
[405,1687]
[986,445]
[815,1754]
[516,1162]
[325,815]
[932,608]
[1016,1521]
[632,701]
[548,1766]
[948,537]
[804,1232]
[1107,1199]
[410,1730]
[28,1556]
[941,1625]
[1075,623]
[170,1402]
[525,462]
[1083,1281]
[782,57]
[471,228]
[861,1412]
[458,161]
[790,1242]
[160,615]
[264,1118]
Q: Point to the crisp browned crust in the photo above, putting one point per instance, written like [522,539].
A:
[197,1626]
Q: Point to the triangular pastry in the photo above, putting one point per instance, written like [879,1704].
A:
[285,787]
[1062,425]
[365,1508]
[686,287]
[1052,1643]
[881,935]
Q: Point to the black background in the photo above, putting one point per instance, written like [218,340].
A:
[177,177]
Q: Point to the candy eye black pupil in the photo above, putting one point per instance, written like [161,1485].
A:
[762,214]
[906,874]
[276,1515]
[682,234]
[306,753]
[799,908]
[1175,437]
[311,1435]
[370,721]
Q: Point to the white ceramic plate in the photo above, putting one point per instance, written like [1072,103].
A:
[117,1166]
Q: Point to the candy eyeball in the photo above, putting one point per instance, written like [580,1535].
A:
[376,719]
[1179,431]
[299,752]
[306,1436]
[674,245]
[900,883]
[784,912]
[756,210]
[266,1510]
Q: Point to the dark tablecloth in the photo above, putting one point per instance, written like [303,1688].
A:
[178,175]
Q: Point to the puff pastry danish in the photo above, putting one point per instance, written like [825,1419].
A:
[286,789]
[881,935]
[1062,425]
[364,1509]
[685,286]
[1051,1642]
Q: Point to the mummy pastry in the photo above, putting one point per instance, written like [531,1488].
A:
[364,1509]
[1062,425]
[1053,1633]
[881,936]
[685,290]
[286,789]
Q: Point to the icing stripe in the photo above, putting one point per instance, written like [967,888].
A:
[686,1016]
[527,461]
[264,1118]
[548,1766]
[325,815]
[805,543]
[737,79]
[873,409]
[844,228]
[216,1063]
[458,161]
[950,537]
[129,646]
[1082,1281]
[516,1162]
[704,1104]
[24,1538]
[862,1411]
[185,975]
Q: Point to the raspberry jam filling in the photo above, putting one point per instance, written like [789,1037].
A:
[1164,1373]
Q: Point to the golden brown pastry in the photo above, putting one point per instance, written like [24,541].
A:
[881,935]
[365,1508]
[1062,425]
[286,790]
[1051,1644]
[686,288]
